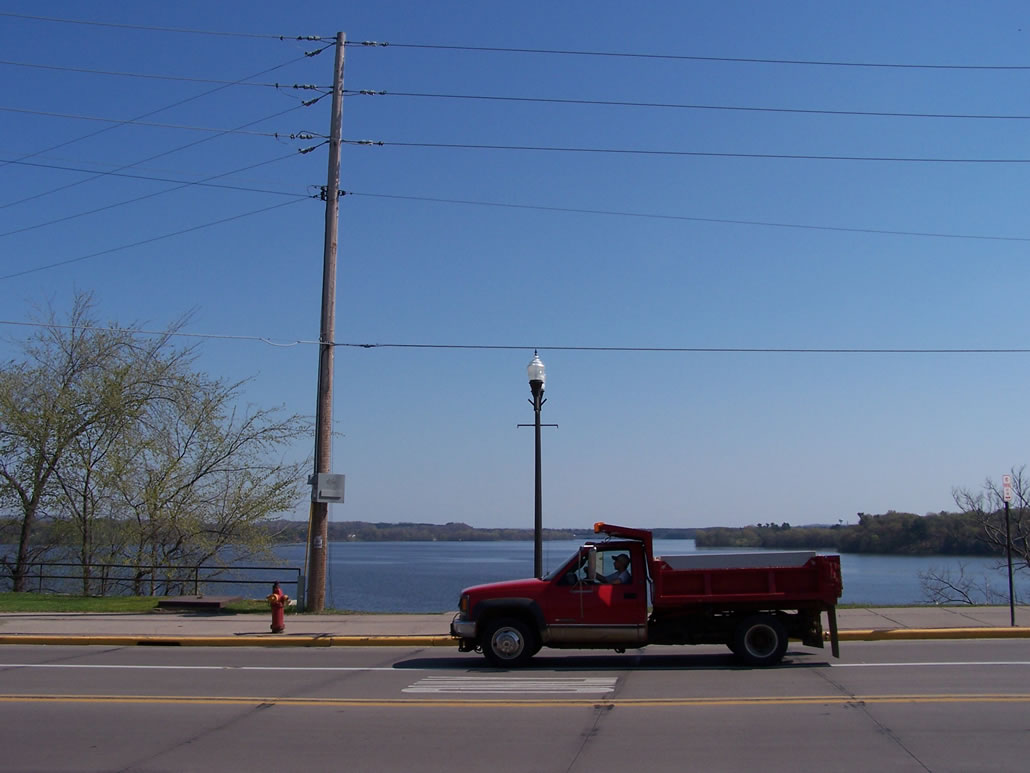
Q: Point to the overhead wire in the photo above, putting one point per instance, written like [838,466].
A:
[147,115]
[517,50]
[205,183]
[180,184]
[688,57]
[149,76]
[197,183]
[99,175]
[686,153]
[688,218]
[175,333]
[149,124]
[535,347]
[151,240]
[690,349]
[152,28]
[682,106]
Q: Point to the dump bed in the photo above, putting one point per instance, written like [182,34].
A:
[786,580]
[770,580]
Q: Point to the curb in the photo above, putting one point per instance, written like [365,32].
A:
[329,640]
[907,634]
[251,640]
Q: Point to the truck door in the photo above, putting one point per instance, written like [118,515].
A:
[621,590]
[595,610]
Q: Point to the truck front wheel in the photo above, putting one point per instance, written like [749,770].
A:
[508,643]
[760,640]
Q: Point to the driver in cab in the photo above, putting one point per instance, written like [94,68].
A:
[621,575]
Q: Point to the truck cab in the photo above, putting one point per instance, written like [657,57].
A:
[581,604]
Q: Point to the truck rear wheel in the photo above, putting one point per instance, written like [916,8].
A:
[509,643]
[760,640]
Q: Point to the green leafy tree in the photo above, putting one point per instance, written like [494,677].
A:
[200,478]
[75,382]
[117,446]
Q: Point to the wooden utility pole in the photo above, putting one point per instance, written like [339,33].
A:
[319,526]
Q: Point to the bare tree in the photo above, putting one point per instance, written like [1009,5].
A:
[987,506]
[944,586]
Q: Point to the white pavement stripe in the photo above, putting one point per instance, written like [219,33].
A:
[512,685]
[941,663]
[511,679]
[205,668]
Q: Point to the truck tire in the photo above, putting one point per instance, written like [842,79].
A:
[760,640]
[509,643]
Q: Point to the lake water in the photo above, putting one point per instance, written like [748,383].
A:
[429,576]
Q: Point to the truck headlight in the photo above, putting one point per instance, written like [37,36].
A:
[463,604]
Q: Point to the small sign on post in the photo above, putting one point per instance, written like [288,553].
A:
[1006,487]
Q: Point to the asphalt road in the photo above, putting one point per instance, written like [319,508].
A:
[904,706]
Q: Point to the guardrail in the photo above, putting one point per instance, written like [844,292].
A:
[116,579]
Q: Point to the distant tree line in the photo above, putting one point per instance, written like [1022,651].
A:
[364,531]
[959,534]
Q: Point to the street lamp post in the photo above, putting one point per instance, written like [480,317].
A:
[537,377]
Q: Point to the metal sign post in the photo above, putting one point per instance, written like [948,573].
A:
[1006,488]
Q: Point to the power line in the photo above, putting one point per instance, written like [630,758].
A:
[98,175]
[154,125]
[176,174]
[741,108]
[153,178]
[147,241]
[692,219]
[687,349]
[515,347]
[146,115]
[688,153]
[690,58]
[150,28]
[147,76]
[170,333]
[204,183]
[503,98]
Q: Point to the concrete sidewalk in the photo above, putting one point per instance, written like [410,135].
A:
[222,629]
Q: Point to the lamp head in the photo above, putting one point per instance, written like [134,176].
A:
[536,371]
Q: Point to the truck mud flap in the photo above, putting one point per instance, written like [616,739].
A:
[831,615]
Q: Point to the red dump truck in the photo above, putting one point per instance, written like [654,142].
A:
[751,602]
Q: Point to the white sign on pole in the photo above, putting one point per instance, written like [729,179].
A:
[1006,487]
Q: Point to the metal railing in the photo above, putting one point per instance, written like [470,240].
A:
[119,579]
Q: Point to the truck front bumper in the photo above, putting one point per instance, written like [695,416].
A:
[462,628]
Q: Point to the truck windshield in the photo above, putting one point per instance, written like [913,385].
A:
[568,565]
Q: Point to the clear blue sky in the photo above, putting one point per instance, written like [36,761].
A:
[645,438]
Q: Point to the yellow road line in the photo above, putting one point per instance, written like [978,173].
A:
[533,703]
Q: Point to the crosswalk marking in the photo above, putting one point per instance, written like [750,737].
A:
[511,684]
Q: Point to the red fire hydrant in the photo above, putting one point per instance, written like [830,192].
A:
[278,600]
